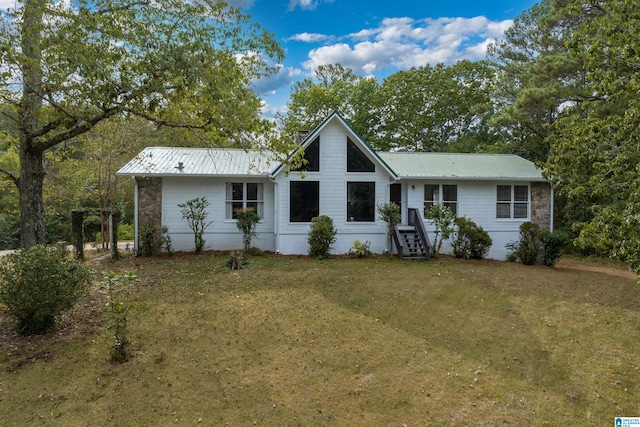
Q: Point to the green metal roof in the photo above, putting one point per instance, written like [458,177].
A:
[441,166]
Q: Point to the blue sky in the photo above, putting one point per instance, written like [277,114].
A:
[374,38]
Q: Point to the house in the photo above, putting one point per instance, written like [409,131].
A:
[345,179]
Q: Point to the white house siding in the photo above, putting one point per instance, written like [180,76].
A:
[477,201]
[222,233]
[333,178]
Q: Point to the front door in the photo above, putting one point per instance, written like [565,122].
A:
[395,195]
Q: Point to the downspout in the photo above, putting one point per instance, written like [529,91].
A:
[551,208]
[276,234]
[135,217]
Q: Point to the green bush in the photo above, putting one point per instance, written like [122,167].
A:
[150,239]
[9,230]
[321,236]
[471,241]
[247,221]
[40,283]
[360,250]
[125,232]
[553,242]
[167,243]
[527,249]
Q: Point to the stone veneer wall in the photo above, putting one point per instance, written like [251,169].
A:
[541,204]
[149,201]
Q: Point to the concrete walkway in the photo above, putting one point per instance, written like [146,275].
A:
[87,247]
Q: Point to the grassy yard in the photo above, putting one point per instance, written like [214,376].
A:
[296,341]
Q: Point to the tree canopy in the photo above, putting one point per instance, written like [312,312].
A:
[596,143]
[66,67]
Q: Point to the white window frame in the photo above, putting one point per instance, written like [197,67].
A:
[440,197]
[230,202]
[512,203]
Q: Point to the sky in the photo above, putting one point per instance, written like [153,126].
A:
[374,38]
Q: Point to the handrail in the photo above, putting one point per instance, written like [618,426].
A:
[397,238]
[416,221]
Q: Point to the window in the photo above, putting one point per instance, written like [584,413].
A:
[242,195]
[304,200]
[356,159]
[445,194]
[361,201]
[512,201]
[311,157]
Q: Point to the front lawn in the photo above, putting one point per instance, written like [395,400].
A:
[297,341]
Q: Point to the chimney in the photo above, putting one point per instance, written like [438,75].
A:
[300,135]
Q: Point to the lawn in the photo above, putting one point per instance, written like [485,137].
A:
[297,341]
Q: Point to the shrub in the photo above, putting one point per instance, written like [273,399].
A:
[552,244]
[527,249]
[9,229]
[40,283]
[390,213]
[149,239]
[442,219]
[322,235]
[195,212]
[237,260]
[125,232]
[471,241]
[360,250]
[247,221]
[167,244]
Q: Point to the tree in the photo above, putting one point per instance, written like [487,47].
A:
[333,87]
[596,148]
[67,68]
[443,222]
[195,212]
[536,78]
[430,108]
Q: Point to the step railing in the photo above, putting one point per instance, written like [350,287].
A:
[415,220]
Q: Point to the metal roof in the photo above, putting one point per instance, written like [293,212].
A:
[183,161]
[461,166]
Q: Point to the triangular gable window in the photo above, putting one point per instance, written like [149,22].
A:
[311,157]
[356,159]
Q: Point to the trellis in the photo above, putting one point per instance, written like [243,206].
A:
[77,230]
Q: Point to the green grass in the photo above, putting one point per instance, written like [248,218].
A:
[296,341]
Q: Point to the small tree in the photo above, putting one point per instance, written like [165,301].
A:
[195,212]
[247,221]
[390,213]
[321,236]
[443,220]
[40,283]
[119,288]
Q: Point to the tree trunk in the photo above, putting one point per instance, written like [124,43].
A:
[31,200]
[31,153]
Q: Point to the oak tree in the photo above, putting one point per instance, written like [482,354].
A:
[65,67]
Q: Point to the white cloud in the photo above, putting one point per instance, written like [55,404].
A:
[406,42]
[268,86]
[306,4]
[9,4]
[309,37]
